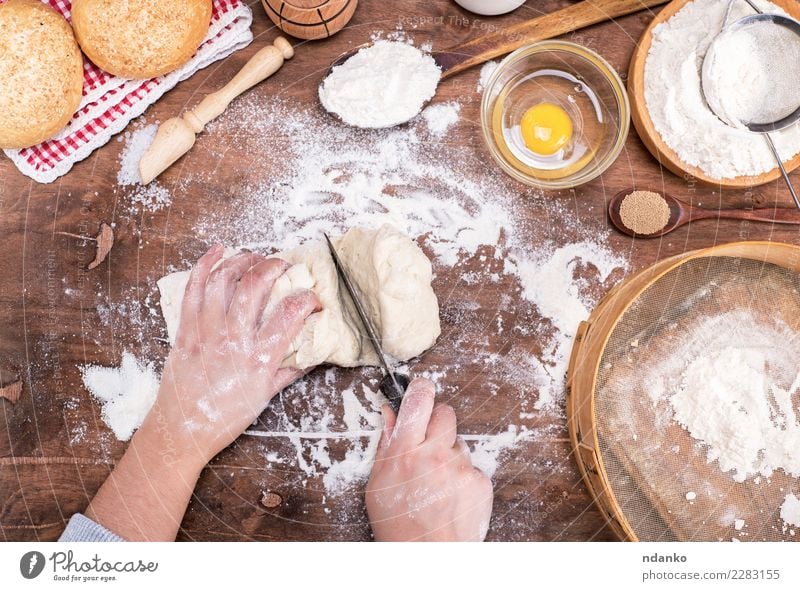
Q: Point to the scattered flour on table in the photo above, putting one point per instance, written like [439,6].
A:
[790,511]
[675,103]
[549,281]
[126,392]
[78,433]
[136,144]
[441,117]
[150,197]
[361,178]
[363,425]
[486,72]
[486,450]
[400,35]
[358,459]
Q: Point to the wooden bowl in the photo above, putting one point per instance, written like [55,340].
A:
[647,131]
[310,19]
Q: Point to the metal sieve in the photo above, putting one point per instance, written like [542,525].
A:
[651,479]
[762,127]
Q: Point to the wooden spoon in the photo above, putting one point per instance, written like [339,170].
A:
[681,213]
[482,49]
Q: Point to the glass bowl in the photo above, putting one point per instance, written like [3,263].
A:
[582,86]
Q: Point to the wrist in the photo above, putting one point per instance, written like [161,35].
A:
[164,447]
[146,495]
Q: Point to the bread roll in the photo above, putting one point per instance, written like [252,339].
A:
[140,38]
[41,73]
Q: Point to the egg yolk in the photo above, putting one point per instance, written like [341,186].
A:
[546,128]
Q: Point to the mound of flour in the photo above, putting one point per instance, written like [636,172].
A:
[733,390]
[126,392]
[382,85]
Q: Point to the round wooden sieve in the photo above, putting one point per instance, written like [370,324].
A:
[637,465]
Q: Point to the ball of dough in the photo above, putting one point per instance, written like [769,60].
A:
[310,19]
[41,73]
[140,38]
[395,276]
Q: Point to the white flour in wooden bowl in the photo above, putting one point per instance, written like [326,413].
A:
[675,103]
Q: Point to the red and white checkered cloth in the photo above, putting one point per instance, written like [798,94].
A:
[110,102]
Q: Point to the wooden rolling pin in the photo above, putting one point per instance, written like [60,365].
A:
[176,136]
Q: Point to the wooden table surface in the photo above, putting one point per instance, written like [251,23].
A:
[52,309]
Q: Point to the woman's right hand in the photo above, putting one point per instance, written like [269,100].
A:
[423,486]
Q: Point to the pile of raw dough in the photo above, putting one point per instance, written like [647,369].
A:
[395,276]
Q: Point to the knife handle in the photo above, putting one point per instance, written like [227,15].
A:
[389,390]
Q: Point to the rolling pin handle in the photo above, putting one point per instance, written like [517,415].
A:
[176,136]
[284,47]
[262,65]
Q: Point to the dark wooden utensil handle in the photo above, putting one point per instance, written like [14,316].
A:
[774,215]
[388,389]
[589,12]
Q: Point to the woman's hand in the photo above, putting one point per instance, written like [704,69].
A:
[225,365]
[423,486]
[222,372]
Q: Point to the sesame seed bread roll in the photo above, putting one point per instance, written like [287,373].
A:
[140,38]
[41,73]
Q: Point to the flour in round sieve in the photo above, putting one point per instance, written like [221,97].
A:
[731,382]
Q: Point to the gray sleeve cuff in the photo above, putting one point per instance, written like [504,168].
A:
[82,529]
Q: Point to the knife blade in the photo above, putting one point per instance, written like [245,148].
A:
[394,384]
